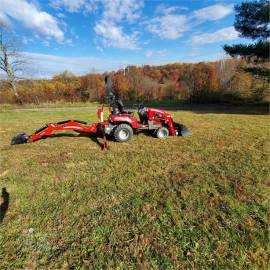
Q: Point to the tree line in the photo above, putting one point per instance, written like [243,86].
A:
[244,78]
[228,80]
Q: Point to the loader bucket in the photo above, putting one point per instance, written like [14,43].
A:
[182,130]
[19,138]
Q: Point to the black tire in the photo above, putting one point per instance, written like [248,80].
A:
[123,133]
[162,133]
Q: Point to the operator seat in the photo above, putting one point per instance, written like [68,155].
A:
[118,107]
[143,115]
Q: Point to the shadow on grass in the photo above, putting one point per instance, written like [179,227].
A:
[222,109]
[73,135]
[4,205]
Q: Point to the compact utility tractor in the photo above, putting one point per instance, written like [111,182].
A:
[120,125]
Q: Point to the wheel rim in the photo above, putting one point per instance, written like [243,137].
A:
[123,134]
[163,133]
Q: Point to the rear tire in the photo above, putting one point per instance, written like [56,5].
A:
[162,133]
[123,133]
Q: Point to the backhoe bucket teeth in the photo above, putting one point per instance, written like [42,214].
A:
[19,138]
[185,132]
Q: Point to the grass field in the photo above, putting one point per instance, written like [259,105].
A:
[199,202]
[60,104]
[4,107]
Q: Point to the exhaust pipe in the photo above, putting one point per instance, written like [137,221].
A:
[19,138]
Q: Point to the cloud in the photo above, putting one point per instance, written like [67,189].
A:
[115,10]
[69,42]
[4,20]
[100,49]
[122,10]
[165,9]
[48,65]
[168,26]
[146,42]
[113,36]
[156,53]
[75,5]
[26,40]
[214,12]
[172,25]
[110,27]
[224,34]
[148,53]
[42,23]
[61,15]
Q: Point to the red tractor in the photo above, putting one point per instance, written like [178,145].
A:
[121,124]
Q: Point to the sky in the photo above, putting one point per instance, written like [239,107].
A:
[85,36]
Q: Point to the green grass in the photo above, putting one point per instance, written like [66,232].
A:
[163,103]
[199,202]
[59,104]
[260,107]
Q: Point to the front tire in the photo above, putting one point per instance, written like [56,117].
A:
[123,133]
[162,133]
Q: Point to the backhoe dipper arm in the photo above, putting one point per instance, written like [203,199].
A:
[75,125]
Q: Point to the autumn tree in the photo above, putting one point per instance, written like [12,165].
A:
[11,61]
[121,85]
[65,76]
[92,87]
[213,79]
[227,80]
[134,75]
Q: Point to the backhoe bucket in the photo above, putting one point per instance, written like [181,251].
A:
[19,138]
[182,130]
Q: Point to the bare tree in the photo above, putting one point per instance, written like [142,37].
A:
[11,61]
